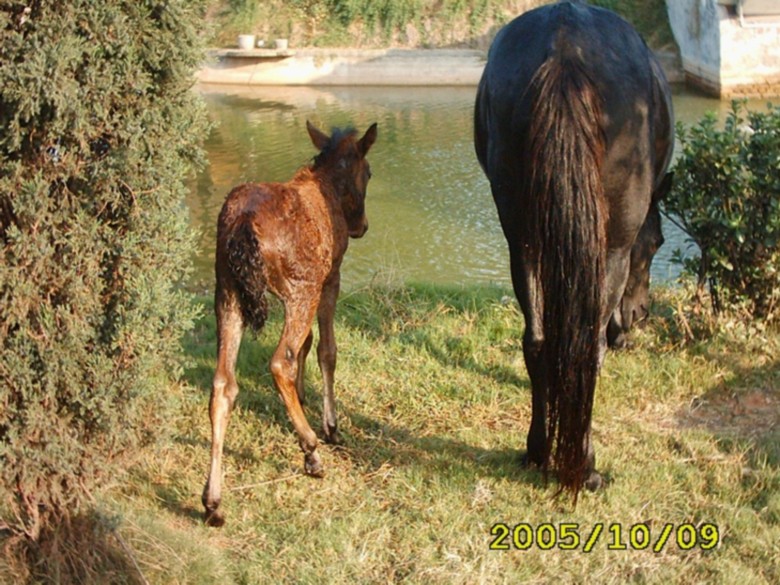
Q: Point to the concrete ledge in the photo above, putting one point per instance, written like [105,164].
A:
[260,54]
[346,67]
[355,67]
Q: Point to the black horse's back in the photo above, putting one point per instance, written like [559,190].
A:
[571,120]
[606,48]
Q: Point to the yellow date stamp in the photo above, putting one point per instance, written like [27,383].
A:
[615,536]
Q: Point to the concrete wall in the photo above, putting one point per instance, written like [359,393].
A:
[724,55]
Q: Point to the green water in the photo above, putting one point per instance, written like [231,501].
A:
[430,212]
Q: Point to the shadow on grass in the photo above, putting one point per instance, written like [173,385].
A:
[379,316]
[377,443]
[741,409]
[87,549]
[744,418]
[171,501]
[743,413]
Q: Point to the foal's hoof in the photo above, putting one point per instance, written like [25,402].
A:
[594,481]
[213,518]
[312,465]
[332,435]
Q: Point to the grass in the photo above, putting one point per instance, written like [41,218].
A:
[434,404]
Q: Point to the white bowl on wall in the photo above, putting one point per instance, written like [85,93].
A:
[246,42]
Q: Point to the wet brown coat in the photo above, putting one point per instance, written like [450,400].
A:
[289,238]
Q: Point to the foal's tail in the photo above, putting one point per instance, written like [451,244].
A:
[245,264]
[568,226]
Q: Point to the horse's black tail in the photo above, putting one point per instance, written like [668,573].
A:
[568,225]
[245,263]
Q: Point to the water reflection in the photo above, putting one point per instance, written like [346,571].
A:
[429,206]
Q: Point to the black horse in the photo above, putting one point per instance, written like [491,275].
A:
[634,306]
[574,129]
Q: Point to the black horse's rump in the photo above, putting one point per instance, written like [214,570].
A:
[573,129]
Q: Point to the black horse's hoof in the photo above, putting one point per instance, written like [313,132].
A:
[332,435]
[529,462]
[312,465]
[594,482]
[213,518]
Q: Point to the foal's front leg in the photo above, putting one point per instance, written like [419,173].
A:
[326,354]
[298,316]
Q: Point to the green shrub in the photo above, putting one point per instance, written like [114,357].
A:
[377,23]
[726,195]
[98,132]
[649,17]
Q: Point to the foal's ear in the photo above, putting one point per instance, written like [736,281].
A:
[368,140]
[318,138]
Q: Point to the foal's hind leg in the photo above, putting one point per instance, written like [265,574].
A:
[299,380]
[326,354]
[299,314]
[223,397]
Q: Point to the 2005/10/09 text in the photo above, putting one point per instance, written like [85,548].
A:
[571,536]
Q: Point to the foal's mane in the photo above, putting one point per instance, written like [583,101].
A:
[337,138]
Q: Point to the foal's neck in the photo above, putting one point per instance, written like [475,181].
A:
[323,180]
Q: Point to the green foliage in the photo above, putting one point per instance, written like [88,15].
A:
[98,131]
[359,22]
[648,17]
[239,16]
[387,13]
[727,197]
[412,22]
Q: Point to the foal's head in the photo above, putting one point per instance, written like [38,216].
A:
[342,159]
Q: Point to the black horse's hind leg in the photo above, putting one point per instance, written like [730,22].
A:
[537,432]
[594,480]
[527,292]
[617,275]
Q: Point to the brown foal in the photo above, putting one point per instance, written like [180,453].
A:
[289,238]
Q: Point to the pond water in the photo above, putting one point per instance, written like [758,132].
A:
[431,215]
